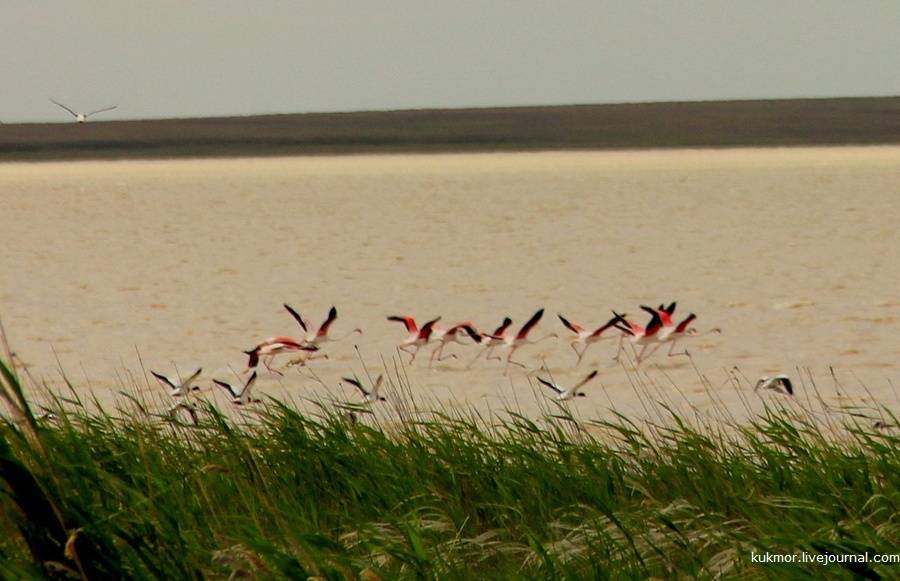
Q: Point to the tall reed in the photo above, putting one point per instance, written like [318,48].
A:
[279,494]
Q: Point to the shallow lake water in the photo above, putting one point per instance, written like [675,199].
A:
[113,269]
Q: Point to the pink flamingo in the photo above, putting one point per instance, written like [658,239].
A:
[639,335]
[268,349]
[320,336]
[682,330]
[514,342]
[417,338]
[452,335]
[670,332]
[491,340]
[316,337]
[665,315]
[585,336]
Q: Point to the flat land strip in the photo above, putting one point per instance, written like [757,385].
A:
[762,123]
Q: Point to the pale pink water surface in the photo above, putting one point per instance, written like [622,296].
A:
[111,269]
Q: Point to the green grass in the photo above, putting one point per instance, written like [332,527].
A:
[288,496]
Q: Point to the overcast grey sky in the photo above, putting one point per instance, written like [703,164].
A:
[191,58]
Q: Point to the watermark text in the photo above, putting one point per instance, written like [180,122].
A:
[823,558]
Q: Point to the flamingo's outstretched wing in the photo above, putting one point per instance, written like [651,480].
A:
[296,316]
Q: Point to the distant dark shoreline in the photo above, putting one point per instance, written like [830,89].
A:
[763,123]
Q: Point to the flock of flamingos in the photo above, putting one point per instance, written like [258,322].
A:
[645,340]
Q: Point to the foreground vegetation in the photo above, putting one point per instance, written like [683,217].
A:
[287,496]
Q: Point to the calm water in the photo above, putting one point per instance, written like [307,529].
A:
[115,268]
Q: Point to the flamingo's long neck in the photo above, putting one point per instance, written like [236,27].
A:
[344,336]
[547,336]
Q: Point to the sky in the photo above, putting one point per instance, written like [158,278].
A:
[206,58]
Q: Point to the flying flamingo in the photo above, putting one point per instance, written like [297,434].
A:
[241,397]
[514,342]
[491,340]
[645,337]
[184,388]
[452,335]
[417,338]
[671,333]
[567,394]
[316,338]
[585,336]
[268,349]
[320,336]
[683,331]
[667,326]
[665,315]
[369,395]
[81,117]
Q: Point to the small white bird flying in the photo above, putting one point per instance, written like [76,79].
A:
[188,406]
[243,396]
[182,389]
[567,394]
[81,117]
[779,383]
[369,395]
